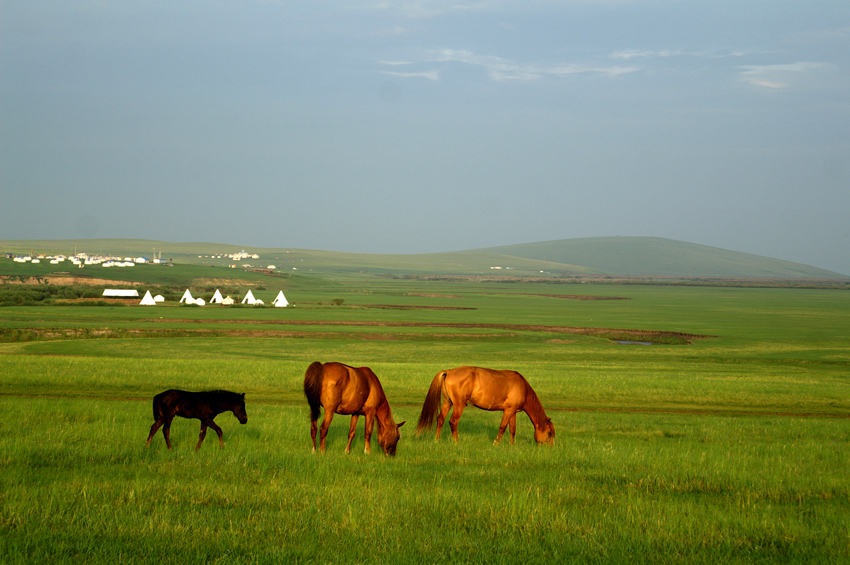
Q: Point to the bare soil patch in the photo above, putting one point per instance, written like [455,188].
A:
[65,280]
[411,307]
[580,297]
[220,281]
[100,299]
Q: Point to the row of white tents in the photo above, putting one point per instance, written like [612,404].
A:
[148,300]
[280,300]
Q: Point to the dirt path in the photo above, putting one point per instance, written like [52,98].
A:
[634,334]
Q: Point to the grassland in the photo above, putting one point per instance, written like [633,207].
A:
[729,448]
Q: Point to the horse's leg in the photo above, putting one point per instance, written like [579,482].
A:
[506,419]
[370,425]
[351,432]
[456,414]
[166,431]
[513,428]
[326,423]
[314,427]
[202,436]
[154,428]
[214,426]
[441,417]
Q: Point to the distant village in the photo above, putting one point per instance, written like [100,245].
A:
[82,260]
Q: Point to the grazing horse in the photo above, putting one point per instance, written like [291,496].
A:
[203,406]
[487,389]
[347,390]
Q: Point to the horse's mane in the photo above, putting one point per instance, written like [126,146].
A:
[221,392]
[533,407]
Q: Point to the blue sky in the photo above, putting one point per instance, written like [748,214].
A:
[425,126]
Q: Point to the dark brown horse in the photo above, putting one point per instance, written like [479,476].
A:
[487,389]
[341,389]
[203,406]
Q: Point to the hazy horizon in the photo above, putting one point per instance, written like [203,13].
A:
[429,126]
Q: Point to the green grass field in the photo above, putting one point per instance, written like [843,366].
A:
[731,448]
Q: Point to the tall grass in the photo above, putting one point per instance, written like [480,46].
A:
[663,454]
[78,486]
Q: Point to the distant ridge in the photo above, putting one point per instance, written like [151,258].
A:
[659,257]
[649,257]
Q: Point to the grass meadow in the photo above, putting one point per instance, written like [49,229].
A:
[732,448]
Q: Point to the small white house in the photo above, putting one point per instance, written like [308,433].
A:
[120,293]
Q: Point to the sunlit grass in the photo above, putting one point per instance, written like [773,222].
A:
[656,487]
[693,453]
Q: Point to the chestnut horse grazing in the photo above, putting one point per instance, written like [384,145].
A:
[203,406]
[341,389]
[488,389]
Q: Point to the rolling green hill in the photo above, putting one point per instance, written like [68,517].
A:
[658,257]
[600,257]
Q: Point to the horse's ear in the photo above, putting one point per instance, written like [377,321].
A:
[400,425]
[242,395]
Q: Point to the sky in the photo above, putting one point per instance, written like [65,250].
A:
[417,126]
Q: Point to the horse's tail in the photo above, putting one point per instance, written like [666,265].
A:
[157,406]
[432,403]
[313,388]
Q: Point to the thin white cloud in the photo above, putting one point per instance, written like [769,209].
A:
[780,76]
[629,54]
[501,69]
[430,75]
[640,53]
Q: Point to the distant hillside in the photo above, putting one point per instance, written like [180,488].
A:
[599,257]
[659,257]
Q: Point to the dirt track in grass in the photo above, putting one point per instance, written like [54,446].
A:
[609,333]
[266,328]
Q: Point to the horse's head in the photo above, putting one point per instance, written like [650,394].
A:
[239,410]
[388,437]
[546,433]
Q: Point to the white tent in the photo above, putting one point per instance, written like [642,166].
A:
[249,299]
[217,298]
[148,300]
[159,298]
[200,301]
[187,297]
[280,301]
